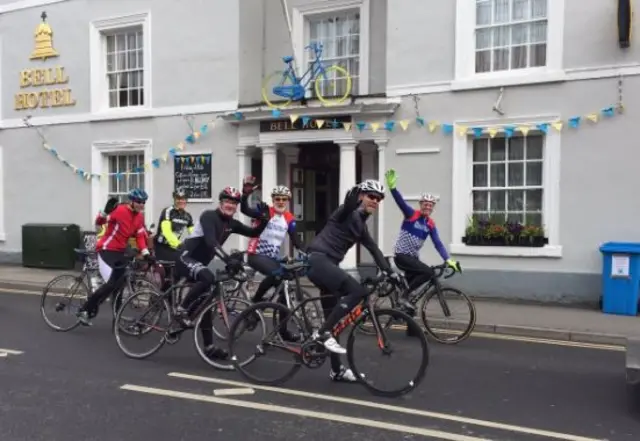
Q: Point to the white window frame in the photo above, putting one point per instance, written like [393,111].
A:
[465,60]
[100,165]
[462,198]
[98,60]
[300,32]
[3,236]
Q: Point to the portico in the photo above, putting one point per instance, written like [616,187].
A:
[318,164]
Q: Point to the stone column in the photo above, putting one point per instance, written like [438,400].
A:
[369,171]
[269,168]
[382,168]
[347,181]
[244,169]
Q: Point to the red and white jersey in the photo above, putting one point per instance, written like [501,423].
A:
[270,241]
[122,223]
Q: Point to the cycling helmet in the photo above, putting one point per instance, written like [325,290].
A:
[371,186]
[138,195]
[179,194]
[281,190]
[428,197]
[230,193]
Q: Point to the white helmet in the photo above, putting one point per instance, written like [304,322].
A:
[281,190]
[428,197]
[371,186]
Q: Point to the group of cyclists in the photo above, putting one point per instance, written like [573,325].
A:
[192,246]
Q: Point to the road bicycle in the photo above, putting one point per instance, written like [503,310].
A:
[332,83]
[159,317]
[438,322]
[69,291]
[313,354]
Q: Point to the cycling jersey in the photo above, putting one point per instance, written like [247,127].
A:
[211,232]
[415,230]
[122,223]
[346,226]
[172,226]
[270,241]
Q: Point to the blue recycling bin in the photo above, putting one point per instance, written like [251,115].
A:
[620,277]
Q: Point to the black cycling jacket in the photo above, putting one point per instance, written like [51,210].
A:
[347,226]
[211,232]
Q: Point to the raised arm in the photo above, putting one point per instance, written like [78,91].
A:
[246,209]
[407,210]
[255,230]
[350,205]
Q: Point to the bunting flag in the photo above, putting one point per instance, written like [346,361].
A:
[435,126]
[86,174]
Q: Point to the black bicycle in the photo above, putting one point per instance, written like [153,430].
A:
[438,303]
[158,316]
[313,354]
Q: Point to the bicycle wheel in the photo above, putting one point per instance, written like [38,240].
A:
[333,86]
[155,319]
[276,79]
[230,304]
[62,291]
[439,322]
[416,349]
[269,347]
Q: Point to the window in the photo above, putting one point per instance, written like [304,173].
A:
[120,63]
[510,34]
[122,175]
[340,37]
[343,28]
[508,179]
[125,68]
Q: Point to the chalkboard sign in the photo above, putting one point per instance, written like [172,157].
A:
[192,173]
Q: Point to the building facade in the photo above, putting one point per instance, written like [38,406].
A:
[507,108]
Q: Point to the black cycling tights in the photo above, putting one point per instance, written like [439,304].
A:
[414,270]
[116,260]
[266,266]
[331,279]
[203,281]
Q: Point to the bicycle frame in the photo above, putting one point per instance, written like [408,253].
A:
[299,87]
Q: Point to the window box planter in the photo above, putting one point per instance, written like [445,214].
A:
[495,231]
[526,241]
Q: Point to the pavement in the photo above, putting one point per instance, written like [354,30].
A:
[79,386]
[556,322]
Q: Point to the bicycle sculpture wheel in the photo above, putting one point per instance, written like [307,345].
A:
[332,84]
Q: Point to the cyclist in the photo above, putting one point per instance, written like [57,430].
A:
[173,224]
[416,227]
[346,226]
[198,250]
[123,221]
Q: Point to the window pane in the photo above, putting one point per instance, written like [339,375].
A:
[519,34]
[480,201]
[497,175]
[521,10]
[534,200]
[483,38]
[501,11]
[483,61]
[501,59]
[497,200]
[120,42]
[538,55]
[533,219]
[111,43]
[501,36]
[483,12]
[498,149]
[519,57]
[515,200]
[515,218]
[480,150]
[480,175]
[538,8]
[516,148]
[538,32]
[516,174]
[534,173]
[534,147]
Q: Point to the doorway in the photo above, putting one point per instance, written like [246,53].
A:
[315,184]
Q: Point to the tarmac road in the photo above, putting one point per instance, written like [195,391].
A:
[79,386]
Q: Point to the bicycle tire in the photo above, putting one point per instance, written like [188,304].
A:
[414,327]
[472,316]
[266,92]
[118,329]
[342,73]
[45,291]
[240,367]
[228,366]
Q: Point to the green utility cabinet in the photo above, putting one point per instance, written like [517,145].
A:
[50,245]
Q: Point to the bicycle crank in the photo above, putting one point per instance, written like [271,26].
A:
[313,355]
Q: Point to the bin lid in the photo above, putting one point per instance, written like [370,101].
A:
[620,247]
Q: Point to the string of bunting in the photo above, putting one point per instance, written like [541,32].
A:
[574,122]
[190,139]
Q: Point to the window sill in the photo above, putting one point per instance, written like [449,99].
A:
[3,237]
[482,81]
[553,251]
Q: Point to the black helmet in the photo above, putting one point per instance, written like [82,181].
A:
[180,194]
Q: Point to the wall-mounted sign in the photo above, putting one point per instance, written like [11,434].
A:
[49,76]
[285,125]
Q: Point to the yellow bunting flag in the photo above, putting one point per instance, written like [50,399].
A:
[404,124]
[375,127]
[492,132]
[182,159]
[433,125]
[87,176]
[593,117]
[462,130]
[347,126]
[147,166]
[320,123]
[180,146]
[293,117]
[46,146]
[201,159]
[557,125]
[165,157]
[196,135]
[524,130]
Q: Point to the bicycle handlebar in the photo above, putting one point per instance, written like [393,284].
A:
[316,47]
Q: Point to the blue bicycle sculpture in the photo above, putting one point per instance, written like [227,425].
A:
[332,83]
